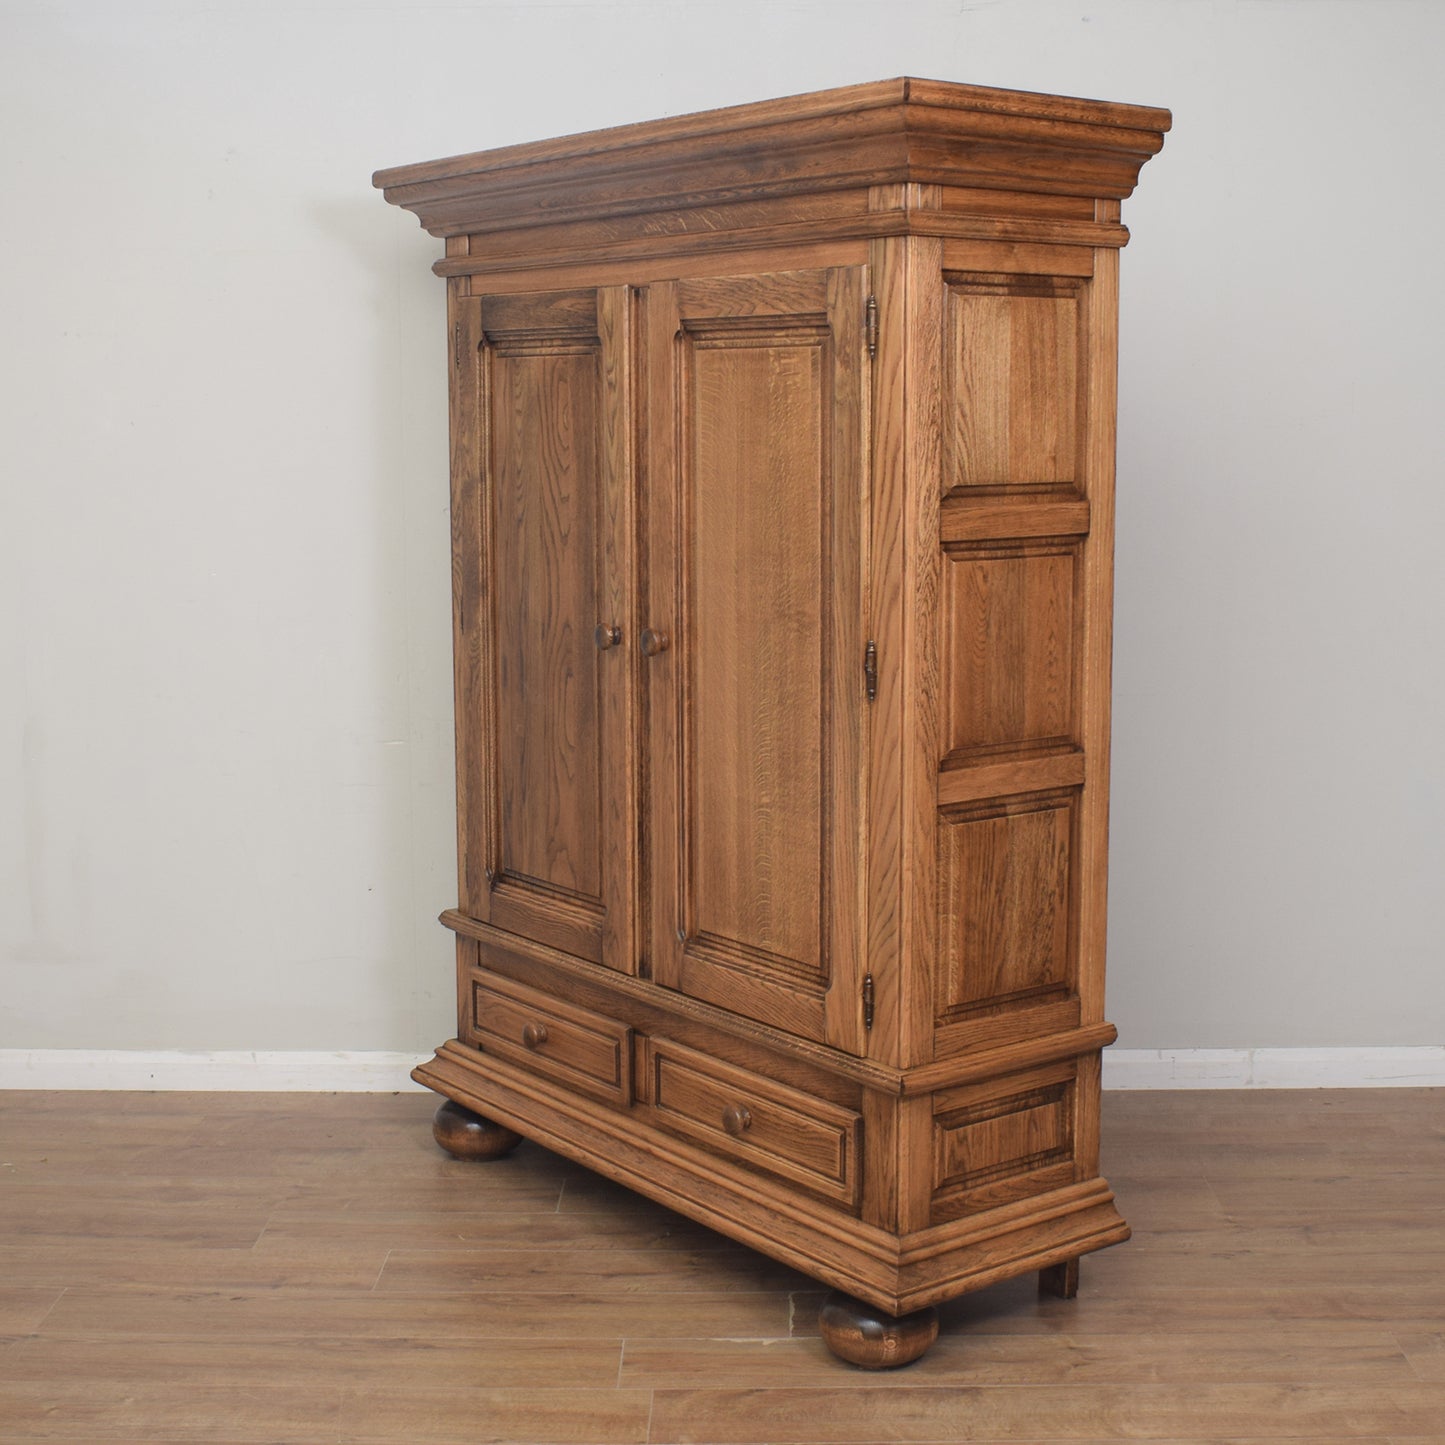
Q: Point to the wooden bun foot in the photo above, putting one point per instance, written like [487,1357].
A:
[465,1135]
[871,1339]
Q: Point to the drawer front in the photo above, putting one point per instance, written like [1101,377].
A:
[586,1051]
[754,1120]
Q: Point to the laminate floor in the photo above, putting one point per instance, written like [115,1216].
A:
[226,1268]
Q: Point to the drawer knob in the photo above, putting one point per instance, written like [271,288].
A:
[606,636]
[653,642]
[534,1035]
[737,1120]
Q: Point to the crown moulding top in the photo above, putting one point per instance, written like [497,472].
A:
[889,132]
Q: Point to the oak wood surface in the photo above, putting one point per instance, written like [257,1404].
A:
[900,131]
[544,557]
[755,576]
[782,473]
[1284,1283]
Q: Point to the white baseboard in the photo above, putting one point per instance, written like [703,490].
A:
[1381,1068]
[261,1072]
[384,1073]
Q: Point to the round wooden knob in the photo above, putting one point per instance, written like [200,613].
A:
[653,642]
[737,1120]
[605,636]
[534,1035]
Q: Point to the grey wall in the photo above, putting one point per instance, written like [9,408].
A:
[225,817]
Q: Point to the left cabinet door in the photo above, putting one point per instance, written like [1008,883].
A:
[543,502]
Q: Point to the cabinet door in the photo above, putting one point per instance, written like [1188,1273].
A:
[755,682]
[543,515]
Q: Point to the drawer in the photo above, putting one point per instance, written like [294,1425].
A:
[754,1120]
[588,1052]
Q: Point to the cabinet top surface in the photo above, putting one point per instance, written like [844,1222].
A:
[886,132]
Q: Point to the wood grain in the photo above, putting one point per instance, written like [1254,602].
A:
[1359,1357]
[225,1363]
[1013,353]
[783,587]
[756,706]
[1003,903]
[1008,1413]
[1319,1325]
[22,1309]
[1009,647]
[754,428]
[544,410]
[898,131]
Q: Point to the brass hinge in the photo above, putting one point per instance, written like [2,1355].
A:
[867,1001]
[457,345]
[871,325]
[870,669]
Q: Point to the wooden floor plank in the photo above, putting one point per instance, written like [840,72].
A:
[91,1411]
[1161,1204]
[626,1270]
[1425,1350]
[239,1268]
[429,1230]
[21,1310]
[1261,1270]
[1344,1356]
[56,1219]
[262,1314]
[186,1267]
[341,1361]
[480,1417]
[903,1415]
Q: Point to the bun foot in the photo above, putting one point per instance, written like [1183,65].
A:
[465,1135]
[1060,1279]
[871,1339]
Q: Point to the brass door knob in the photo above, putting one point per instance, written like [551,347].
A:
[534,1035]
[653,642]
[605,636]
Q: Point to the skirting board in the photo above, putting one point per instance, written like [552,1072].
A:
[384,1073]
[199,1071]
[1381,1068]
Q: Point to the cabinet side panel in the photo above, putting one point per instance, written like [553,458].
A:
[469,696]
[1097,594]
[1019,425]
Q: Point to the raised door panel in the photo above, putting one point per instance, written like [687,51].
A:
[1012,348]
[1009,643]
[756,706]
[547,728]
[1004,901]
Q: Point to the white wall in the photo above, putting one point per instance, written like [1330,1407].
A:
[225,816]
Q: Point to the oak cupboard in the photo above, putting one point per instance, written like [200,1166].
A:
[782,496]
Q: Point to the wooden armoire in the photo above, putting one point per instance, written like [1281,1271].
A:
[782,444]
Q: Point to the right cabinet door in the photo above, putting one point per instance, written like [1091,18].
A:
[753,648]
